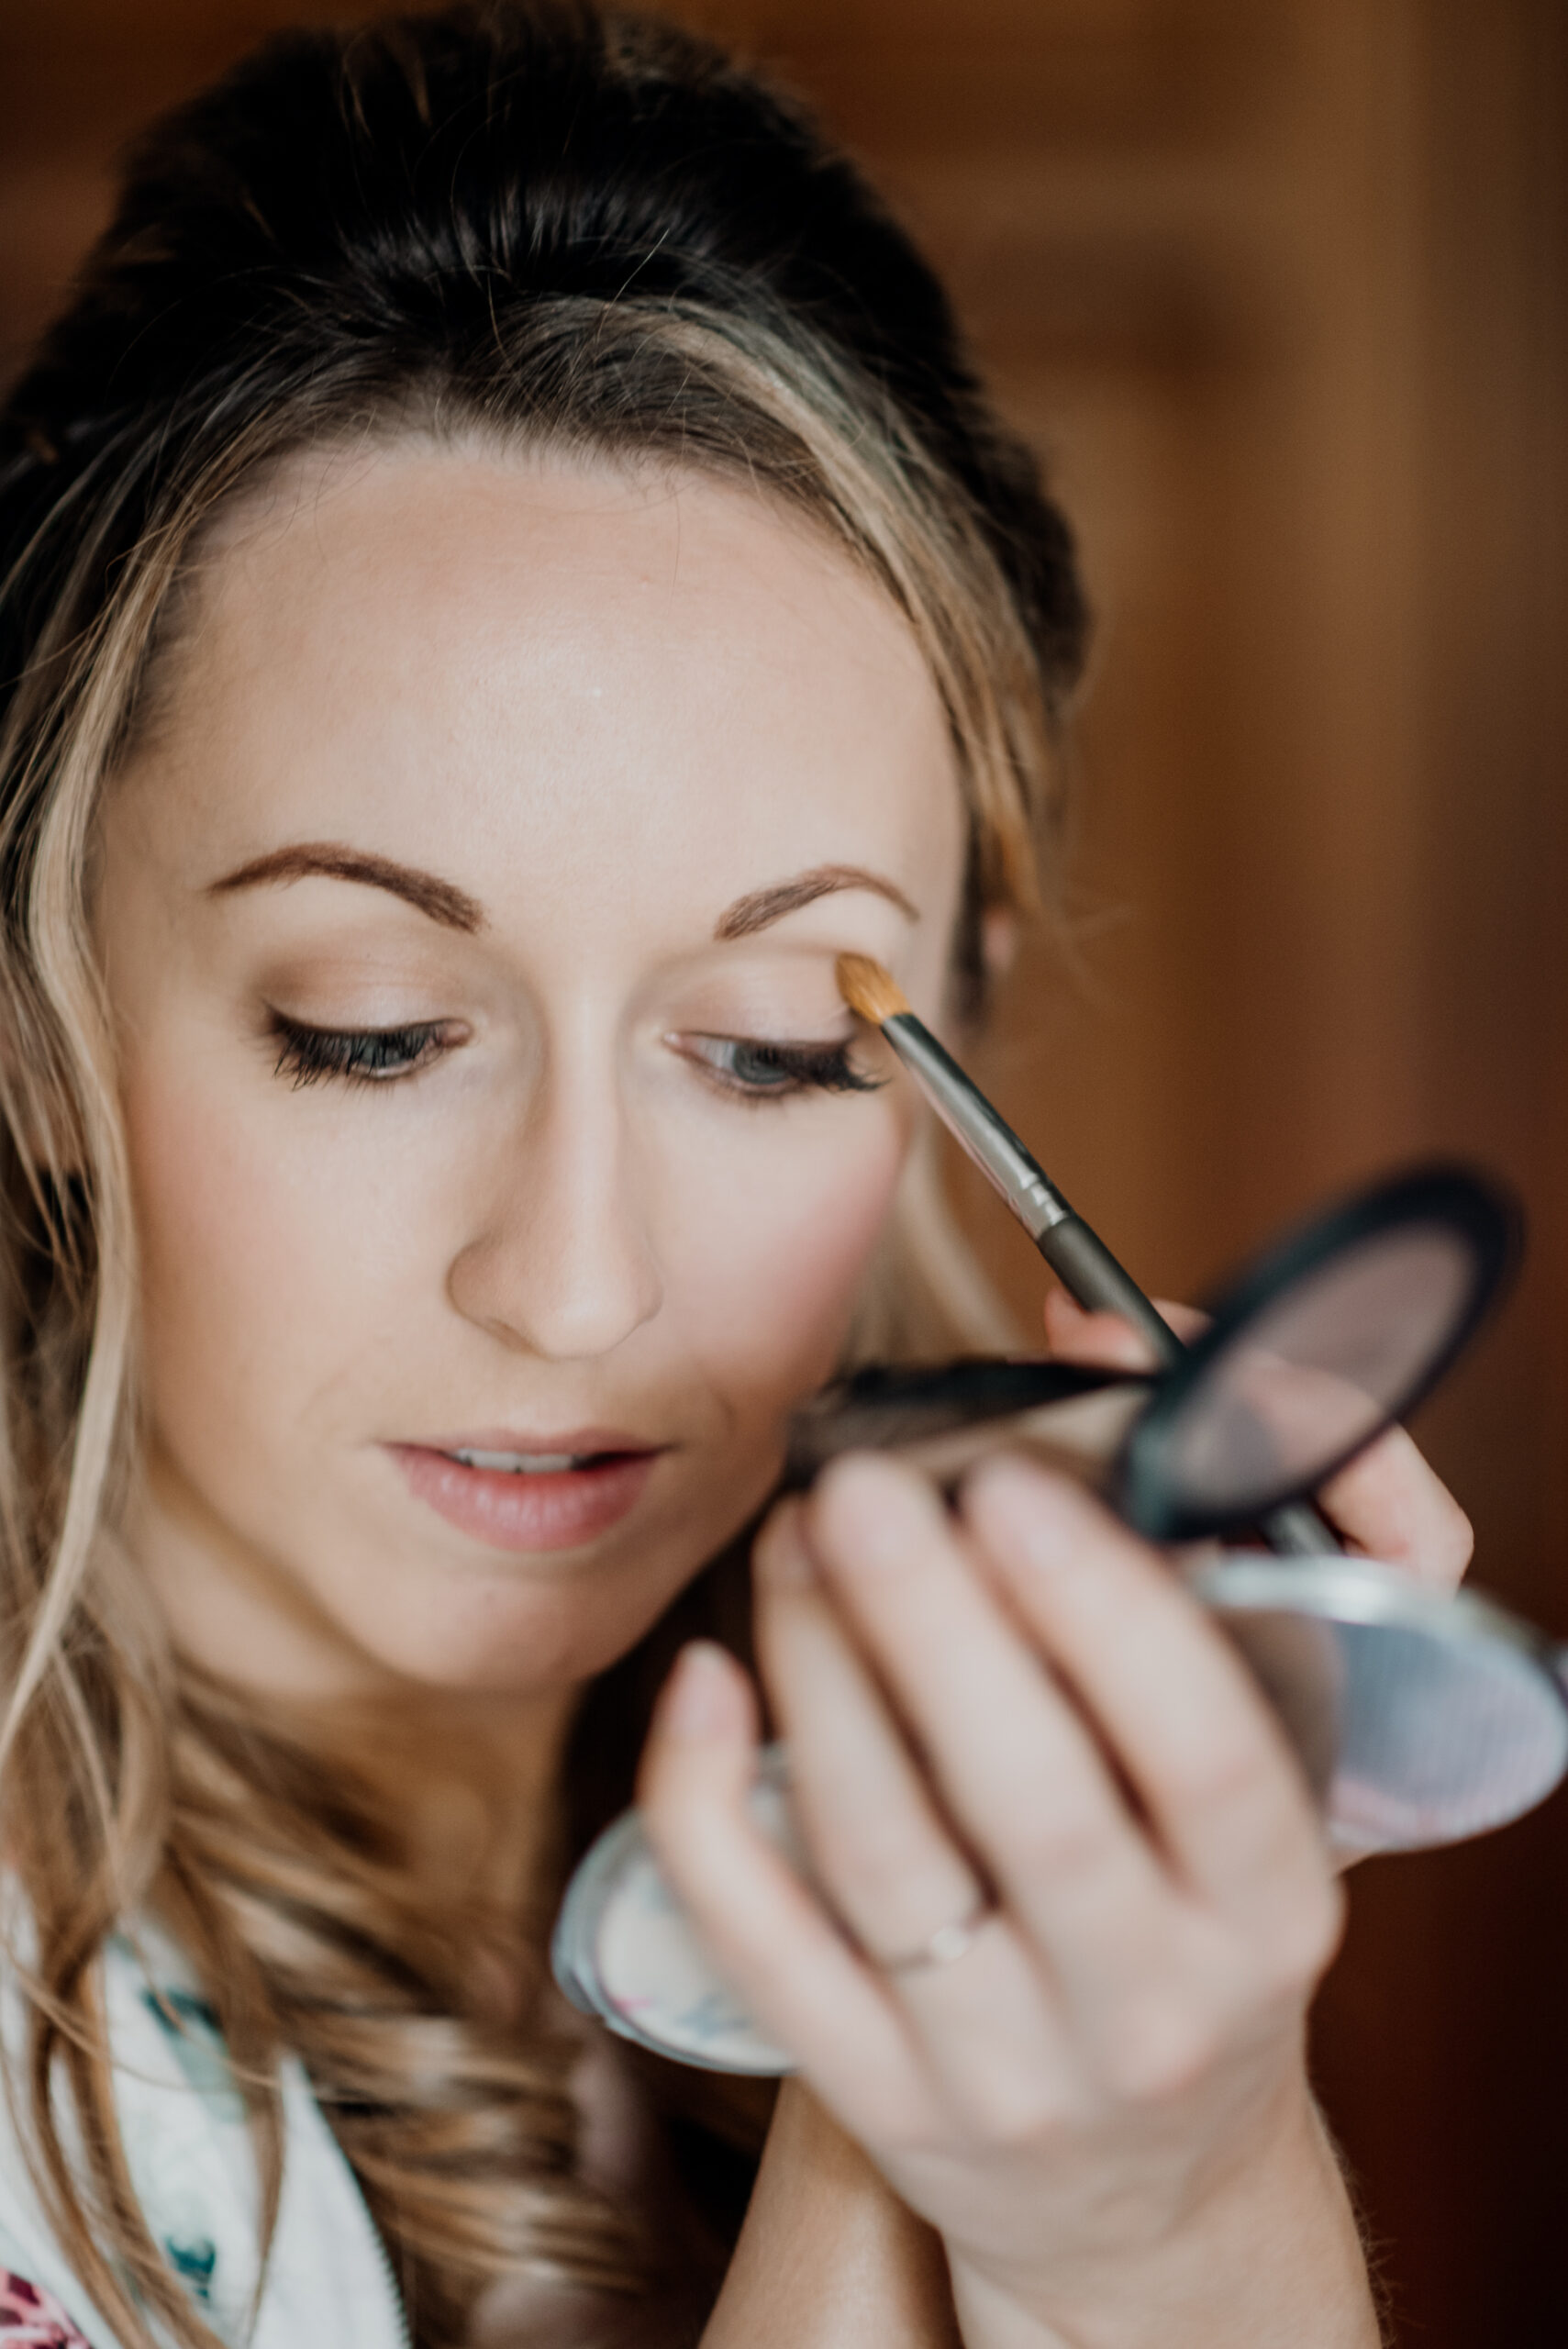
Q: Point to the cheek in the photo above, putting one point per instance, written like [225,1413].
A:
[211,1239]
[261,1257]
[769,1267]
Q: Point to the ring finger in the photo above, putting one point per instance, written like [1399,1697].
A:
[979,2001]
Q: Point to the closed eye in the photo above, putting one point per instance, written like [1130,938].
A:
[756,1070]
[357,1055]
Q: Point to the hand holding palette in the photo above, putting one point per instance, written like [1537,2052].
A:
[1419,1719]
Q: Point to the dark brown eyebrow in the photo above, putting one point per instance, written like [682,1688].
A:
[444,903]
[765,906]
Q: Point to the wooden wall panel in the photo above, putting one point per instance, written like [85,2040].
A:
[1279,286]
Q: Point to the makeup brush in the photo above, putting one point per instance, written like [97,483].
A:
[1077,1256]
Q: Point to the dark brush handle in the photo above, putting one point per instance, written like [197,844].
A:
[1091,1275]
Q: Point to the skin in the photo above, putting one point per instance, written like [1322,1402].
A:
[603,709]
[1102,2107]
[606,712]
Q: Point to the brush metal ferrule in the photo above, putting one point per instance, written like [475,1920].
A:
[986,1138]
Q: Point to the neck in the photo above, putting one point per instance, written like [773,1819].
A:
[469,1781]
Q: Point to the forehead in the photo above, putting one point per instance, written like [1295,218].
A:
[538,678]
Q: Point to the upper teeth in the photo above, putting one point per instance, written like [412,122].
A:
[523,1464]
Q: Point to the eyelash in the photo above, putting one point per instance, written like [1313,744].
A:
[776,1071]
[357,1055]
[742,1066]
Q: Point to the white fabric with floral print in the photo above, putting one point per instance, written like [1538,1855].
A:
[328,2283]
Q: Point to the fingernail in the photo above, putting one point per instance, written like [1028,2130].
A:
[781,1559]
[699,1699]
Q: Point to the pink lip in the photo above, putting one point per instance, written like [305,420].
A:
[576,1440]
[558,1511]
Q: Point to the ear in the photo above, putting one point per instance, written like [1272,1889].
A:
[998,940]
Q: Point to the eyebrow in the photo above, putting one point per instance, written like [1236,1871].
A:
[442,900]
[765,906]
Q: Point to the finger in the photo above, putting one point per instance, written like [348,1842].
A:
[883,1852]
[1177,1704]
[1388,1502]
[1392,1505]
[1104,1340]
[765,1930]
[887,1860]
[1014,1764]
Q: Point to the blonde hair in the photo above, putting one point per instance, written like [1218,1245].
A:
[127,1783]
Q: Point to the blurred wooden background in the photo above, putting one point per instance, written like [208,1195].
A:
[1279,286]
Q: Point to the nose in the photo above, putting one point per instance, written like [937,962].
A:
[563,1265]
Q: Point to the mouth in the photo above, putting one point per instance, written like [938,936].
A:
[523,1492]
[532,1463]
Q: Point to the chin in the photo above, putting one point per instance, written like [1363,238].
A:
[457,1612]
[521,1633]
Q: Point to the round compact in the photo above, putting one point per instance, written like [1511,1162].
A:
[626,1950]
[1419,1718]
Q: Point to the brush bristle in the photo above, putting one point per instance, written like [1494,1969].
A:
[868,990]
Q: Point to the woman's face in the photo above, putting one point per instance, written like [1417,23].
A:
[470,916]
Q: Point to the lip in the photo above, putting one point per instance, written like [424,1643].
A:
[530,1439]
[559,1509]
